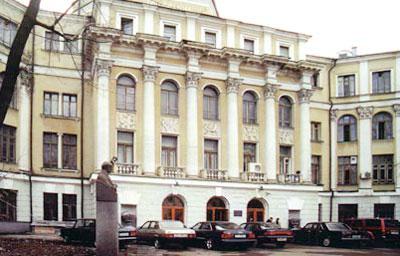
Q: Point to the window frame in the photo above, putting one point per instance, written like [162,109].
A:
[178,30]
[123,94]
[210,155]
[284,111]
[316,167]
[347,129]
[8,205]
[170,151]
[52,101]
[70,159]
[53,146]
[248,116]
[387,121]
[346,166]
[5,25]
[208,100]
[8,141]
[218,33]
[53,214]
[54,44]
[376,87]
[69,209]
[70,104]
[171,107]
[345,80]
[383,170]
[316,131]
[250,157]
[125,145]
[134,18]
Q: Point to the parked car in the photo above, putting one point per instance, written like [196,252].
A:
[166,232]
[212,235]
[84,231]
[269,233]
[383,230]
[330,234]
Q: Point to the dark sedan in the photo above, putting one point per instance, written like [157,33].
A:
[330,234]
[212,235]
[269,233]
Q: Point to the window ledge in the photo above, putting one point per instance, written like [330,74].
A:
[212,120]
[317,141]
[286,128]
[62,52]
[347,142]
[251,124]
[383,183]
[49,169]
[126,111]
[383,140]
[60,117]
[319,88]
[170,115]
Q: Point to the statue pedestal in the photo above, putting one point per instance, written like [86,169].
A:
[106,228]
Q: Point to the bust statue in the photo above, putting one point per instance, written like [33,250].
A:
[106,190]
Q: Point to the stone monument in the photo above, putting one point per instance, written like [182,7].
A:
[106,213]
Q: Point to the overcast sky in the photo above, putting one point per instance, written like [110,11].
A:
[333,24]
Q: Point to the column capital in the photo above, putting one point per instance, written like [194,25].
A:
[270,90]
[304,95]
[192,79]
[103,67]
[333,114]
[232,84]
[25,79]
[396,108]
[365,112]
[150,73]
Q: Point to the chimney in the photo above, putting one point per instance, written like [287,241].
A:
[354,51]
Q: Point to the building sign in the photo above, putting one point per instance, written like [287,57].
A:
[237,213]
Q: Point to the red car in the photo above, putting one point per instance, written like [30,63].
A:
[269,233]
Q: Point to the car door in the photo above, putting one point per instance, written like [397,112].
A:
[142,231]
[303,234]
[313,234]
[197,229]
[77,232]
[206,231]
[89,231]
[152,232]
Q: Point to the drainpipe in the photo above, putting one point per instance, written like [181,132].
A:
[31,125]
[82,125]
[332,193]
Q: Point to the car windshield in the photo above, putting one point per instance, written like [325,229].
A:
[337,226]
[171,224]
[226,225]
[392,224]
[269,226]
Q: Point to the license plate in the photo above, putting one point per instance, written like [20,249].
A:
[394,232]
[356,236]
[124,234]
[180,235]
[240,236]
[281,239]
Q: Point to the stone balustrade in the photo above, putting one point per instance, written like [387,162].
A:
[214,174]
[127,169]
[289,178]
[171,172]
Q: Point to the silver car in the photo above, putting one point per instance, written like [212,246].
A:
[166,232]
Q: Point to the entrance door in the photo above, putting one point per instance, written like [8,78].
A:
[173,209]
[216,210]
[255,211]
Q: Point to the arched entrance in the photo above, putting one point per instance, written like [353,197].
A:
[255,211]
[217,210]
[173,208]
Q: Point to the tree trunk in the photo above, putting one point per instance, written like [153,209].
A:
[14,57]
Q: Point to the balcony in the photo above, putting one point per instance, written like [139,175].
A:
[127,169]
[214,174]
[289,178]
[253,176]
[171,172]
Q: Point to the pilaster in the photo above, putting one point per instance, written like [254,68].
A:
[24,128]
[333,145]
[396,109]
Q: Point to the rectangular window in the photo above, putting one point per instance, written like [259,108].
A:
[8,30]
[69,105]
[249,45]
[51,41]
[69,207]
[249,155]
[128,215]
[315,131]
[170,32]
[50,150]
[319,212]
[347,211]
[127,26]
[316,169]
[346,85]
[294,219]
[210,154]
[381,82]
[384,211]
[169,154]
[347,170]
[50,206]
[315,80]
[211,39]
[7,144]
[50,105]
[69,151]
[72,45]
[284,51]
[125,147]
[8,205]
[382,167]
[285,159]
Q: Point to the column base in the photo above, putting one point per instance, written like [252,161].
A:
[153,174]
[234,179]
[192,176]
[273,181]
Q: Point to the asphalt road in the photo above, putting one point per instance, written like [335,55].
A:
[290,249]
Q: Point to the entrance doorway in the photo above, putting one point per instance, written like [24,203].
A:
[217,210]
[255,211]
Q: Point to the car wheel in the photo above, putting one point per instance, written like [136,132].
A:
[157,244]
[326,242]
[209,244]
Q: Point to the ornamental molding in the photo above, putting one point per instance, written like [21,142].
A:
[270,91]
[250,133]
[126,120]
[365,112]
[286,136]
[232,84]
[103,67]
[211,129]
[25,79]
[150,73]
[396,108]
[192,79]
[333,115]
[304,95]
[170,125]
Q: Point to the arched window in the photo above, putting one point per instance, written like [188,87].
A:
[216,210]
[285,112]
[382,126]
[169,98]
[126,93]
[255,211]
[173,208]
[210,103]
[347,128]
[249,108]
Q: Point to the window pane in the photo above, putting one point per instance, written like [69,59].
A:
[211,38]
[127,26]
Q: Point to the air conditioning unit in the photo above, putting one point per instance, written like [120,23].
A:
[353,160]
[365,176]
[254,167]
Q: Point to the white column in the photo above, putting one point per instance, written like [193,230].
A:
[149,149]
[333,120]
[103,13]
[302,50]
[192,148]
[270,131]
[230,36]
[397,139]
[397,83]
[149,20]
[305,136]
[233,129]
[365,147]
[267,43]
[24,122]
[191,27]
[59,150]
[103,68]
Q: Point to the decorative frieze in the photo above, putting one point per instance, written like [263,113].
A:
[170,125]
[149,73]
[365,112]
[250,133]
[232,84]
[270,91]
[304,95]
[286,136]
[211,129]
[103,67]
[126,120]
[192,79]
[396,108]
